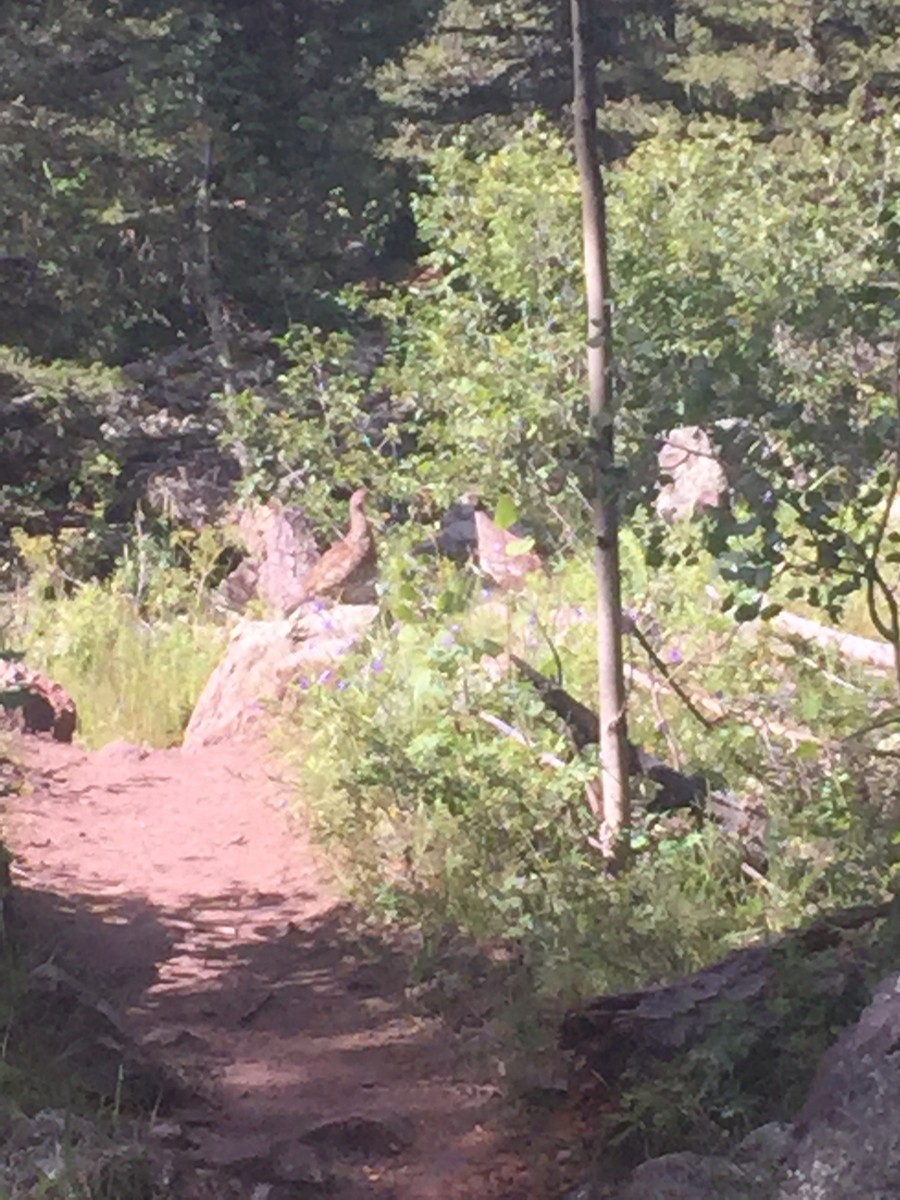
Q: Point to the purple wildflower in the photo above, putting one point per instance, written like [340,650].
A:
[325,676]
[342,683]
[377,665]
[673,655]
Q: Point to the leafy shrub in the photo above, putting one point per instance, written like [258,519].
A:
[436,819]
[741,302]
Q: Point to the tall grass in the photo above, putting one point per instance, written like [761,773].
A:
[134,671]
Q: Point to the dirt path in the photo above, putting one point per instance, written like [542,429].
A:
[172,882]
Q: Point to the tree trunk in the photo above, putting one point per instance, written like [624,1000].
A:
[613,741]
[212,298]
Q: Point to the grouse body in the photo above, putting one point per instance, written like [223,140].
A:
[347,568]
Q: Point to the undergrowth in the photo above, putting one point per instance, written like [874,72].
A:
[437,818]
[451,800]
[134,650]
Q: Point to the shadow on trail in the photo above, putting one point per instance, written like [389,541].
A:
[278,1025]
[112,943]
[227,977]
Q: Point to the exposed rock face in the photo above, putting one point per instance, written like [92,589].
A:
[847,1136]
[693,478]
[499,557]
[282,550]
[262,660]
[45,706]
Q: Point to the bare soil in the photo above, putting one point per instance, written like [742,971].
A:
[174,884]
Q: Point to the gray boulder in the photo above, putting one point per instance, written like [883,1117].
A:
[847,1135]
[263,660]
[692,477]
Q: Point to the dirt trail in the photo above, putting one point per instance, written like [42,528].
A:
[172,882]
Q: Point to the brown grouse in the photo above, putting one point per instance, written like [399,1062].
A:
[346,571]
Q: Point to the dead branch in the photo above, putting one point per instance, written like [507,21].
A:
[516,735]
[860,649]
[582,725]
[746,821]
[672,684]
[719,714]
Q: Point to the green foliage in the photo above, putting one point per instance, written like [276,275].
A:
[135,669]
[436,818]
[754,238]
[321,436]
[489,67]
[755,1063]
[440,816]
[118,116]
[62,444]
[479,364]
[778,61]
[744,302]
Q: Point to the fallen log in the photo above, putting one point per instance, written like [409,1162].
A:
[582,723]
[746,821]
[860,649]
[611,1034]
[676,790]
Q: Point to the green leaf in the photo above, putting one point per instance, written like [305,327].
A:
[807,751]
[811,705]
[506,513]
